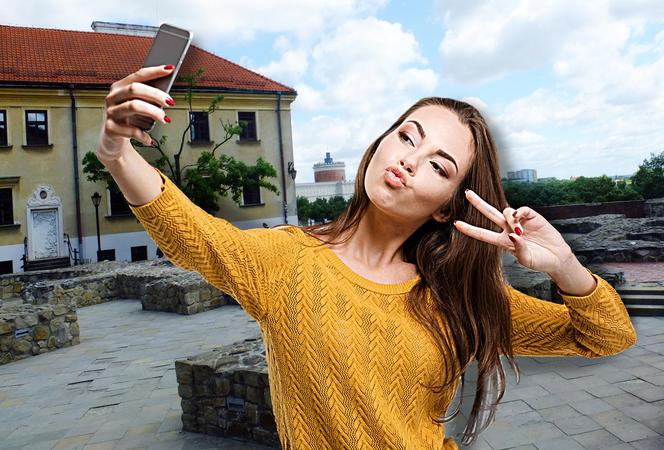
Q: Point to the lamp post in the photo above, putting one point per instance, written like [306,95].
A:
[291,170]
[96,199]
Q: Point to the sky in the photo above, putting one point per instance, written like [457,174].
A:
[569,88]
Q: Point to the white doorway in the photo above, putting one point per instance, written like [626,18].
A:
[45,229]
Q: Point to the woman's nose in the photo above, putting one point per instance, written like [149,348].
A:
[406,166]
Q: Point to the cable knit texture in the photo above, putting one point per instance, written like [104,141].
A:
[344,358]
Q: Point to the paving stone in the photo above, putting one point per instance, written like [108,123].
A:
[523,435]
[558,412]
[652,443]
[652,394]
[72,442]
[604,390]
[546,401]
[577,425]
[558,444]
[593,406]
[506,409]
[598,439]
[623,426]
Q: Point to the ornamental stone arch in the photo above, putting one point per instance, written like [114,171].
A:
[45,224]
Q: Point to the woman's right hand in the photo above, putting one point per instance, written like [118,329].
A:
[127,98]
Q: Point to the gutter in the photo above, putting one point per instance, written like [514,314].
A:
[9,84]
[77,187]
[281,158]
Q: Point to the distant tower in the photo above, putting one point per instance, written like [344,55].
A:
[329,170]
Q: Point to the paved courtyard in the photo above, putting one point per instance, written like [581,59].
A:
[117,389]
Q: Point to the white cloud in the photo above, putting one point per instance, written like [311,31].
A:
[289,69]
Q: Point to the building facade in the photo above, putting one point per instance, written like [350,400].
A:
[523,175]
[329,181]
[53,85]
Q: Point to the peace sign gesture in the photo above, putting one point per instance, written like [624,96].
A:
[534,242]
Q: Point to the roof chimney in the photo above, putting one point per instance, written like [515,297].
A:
[124,28]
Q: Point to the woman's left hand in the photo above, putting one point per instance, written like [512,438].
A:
[536,243]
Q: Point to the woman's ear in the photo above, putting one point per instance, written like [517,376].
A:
[440,216]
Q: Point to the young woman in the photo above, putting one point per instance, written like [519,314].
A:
[369,321]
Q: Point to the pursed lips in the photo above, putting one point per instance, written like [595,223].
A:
[398,173]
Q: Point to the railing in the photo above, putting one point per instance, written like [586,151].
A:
[73,253]
[24,258]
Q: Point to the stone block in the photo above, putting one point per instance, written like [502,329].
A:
[222,386]
[41,332]
[22,346]
[6,327]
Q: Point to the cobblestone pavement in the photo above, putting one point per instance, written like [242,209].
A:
[117,389]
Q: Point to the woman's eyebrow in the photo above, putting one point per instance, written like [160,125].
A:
[440,151]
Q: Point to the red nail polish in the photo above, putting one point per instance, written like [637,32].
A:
[514,215]
[169,101]
[153,143]
[167,119]
[169,67]
[518,231]
[512,238]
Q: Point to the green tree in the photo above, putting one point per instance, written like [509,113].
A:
[210,175]
[649,179]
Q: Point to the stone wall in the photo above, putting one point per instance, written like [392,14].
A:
[159,284]
[629,208]
[615,238]
[27,330]
[654,207]
[225,392]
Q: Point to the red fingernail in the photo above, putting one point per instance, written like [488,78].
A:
[169,101]
[169,67]
[514,215]
[153,143]
[518,231]
[167,119]
[512,238]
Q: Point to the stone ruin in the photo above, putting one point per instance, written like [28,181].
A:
[614,238]
[225,391]
[38,309]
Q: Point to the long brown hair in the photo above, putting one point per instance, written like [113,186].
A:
[464,275]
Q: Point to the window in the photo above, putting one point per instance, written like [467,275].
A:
[119,205]
[139,253]
[200,128]
[6,267]
[106,255]
[36,128]
[251,195]
[248,121]
[3,127]
[6,207]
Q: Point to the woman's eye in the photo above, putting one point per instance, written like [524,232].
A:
[441,171]
[404,136]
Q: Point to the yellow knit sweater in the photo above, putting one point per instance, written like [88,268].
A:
[344,358]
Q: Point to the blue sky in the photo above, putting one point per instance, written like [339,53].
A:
[570,88]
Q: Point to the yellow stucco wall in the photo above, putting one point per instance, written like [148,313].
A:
[54,165]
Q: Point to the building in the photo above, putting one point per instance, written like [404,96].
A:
[523,175]
[53,85]
[329,181]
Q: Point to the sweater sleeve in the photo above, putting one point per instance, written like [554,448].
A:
[594,325]
[241,263]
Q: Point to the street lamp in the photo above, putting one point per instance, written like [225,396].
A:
[291,170]
[96,199]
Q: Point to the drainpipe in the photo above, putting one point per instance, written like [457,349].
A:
[281,157]
[77,191]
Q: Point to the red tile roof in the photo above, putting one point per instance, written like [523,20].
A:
[51,56]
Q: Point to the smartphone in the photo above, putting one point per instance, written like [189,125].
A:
[170,46]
